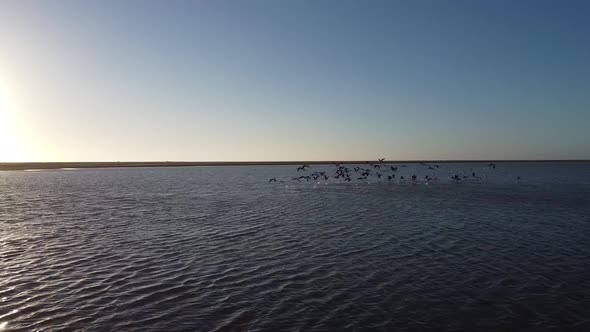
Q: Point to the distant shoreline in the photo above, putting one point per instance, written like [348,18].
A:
[62,165]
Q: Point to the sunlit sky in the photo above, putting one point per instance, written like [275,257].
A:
[294,80]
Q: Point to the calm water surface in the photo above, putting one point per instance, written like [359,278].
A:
[221,249]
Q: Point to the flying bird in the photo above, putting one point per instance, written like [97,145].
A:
[302,168]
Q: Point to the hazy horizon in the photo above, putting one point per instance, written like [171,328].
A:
[296,162]
[106,81]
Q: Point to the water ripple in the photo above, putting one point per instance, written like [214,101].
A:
[220,249]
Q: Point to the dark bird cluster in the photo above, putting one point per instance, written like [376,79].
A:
[379,170]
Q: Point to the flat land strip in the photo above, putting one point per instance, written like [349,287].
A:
[62,165]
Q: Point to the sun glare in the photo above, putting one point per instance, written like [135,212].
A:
[9,147]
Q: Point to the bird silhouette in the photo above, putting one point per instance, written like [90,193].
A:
[302,168]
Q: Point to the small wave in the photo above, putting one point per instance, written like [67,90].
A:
[149,249]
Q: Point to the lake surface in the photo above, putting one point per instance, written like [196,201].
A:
[221,249]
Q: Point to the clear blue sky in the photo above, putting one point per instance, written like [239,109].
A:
[294,80]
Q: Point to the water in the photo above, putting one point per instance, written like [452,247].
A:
[221,249]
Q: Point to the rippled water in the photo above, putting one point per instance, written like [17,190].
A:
[220,248]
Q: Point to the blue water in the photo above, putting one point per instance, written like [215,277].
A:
[221,249]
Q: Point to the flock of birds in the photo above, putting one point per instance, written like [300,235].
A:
[381,170]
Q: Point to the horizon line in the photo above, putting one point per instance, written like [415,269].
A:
[17,166]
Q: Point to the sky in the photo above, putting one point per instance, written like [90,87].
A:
[294,80]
